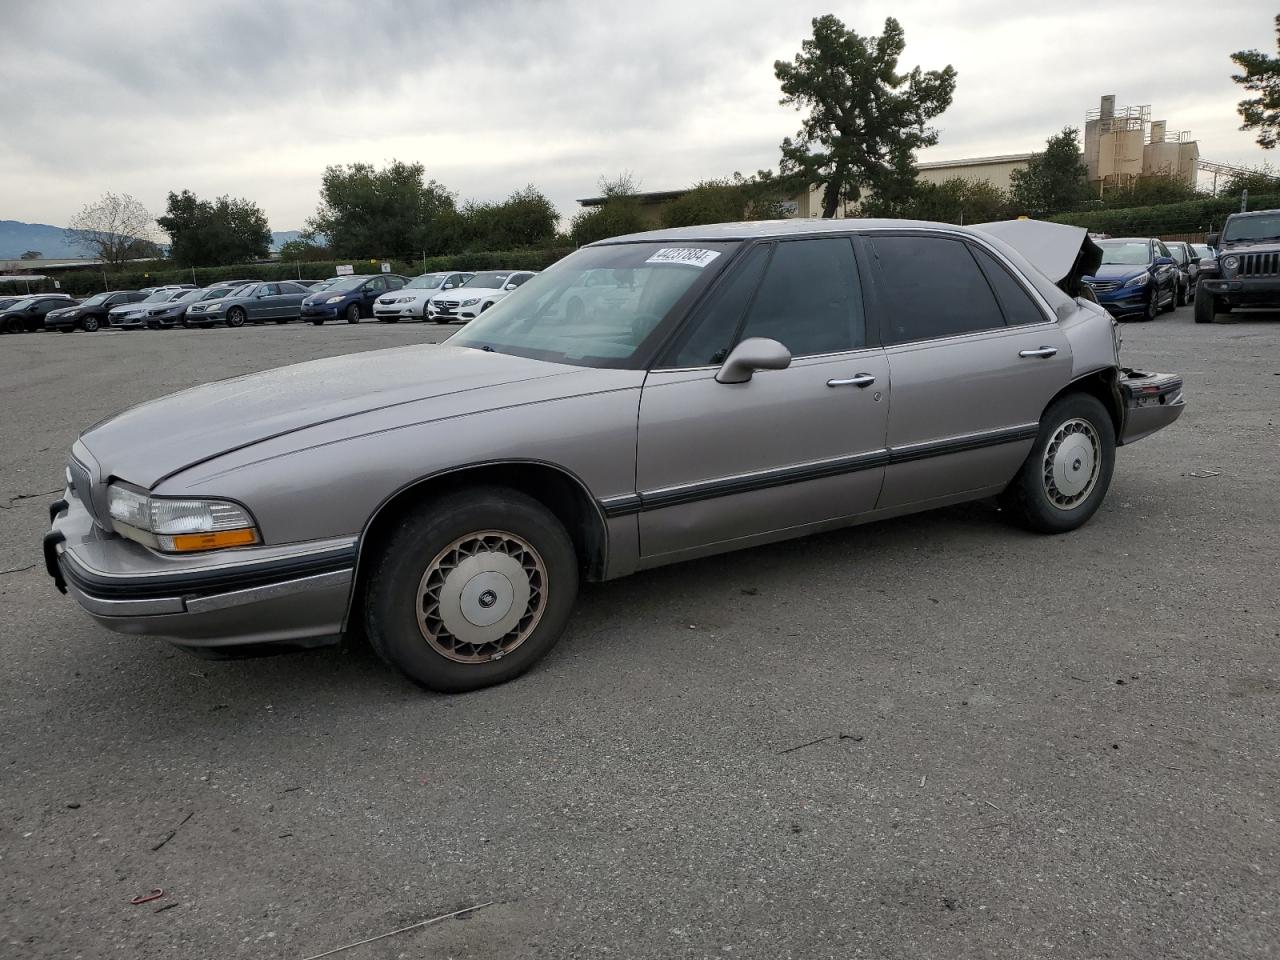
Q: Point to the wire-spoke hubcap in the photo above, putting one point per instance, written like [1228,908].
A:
[482,596]
[1071,464]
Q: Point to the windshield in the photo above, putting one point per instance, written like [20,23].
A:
[325,284]
[22,304]
[1252,228]
[344,283]
[188,296]
[1133,253]
[1179,252]
[489,280]
[160,296]
[428,281]
[97,300]
[1202,250]
[599,306]
[215,293]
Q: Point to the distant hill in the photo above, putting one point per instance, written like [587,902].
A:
[16,238]
[280,237]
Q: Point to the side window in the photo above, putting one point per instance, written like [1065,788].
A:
[376,285]
[810,300]
[1016,303]
[707,339]
[931,287]
[269,290]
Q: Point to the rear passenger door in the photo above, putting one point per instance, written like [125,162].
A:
[975,356]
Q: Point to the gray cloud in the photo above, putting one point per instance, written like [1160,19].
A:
[255,99]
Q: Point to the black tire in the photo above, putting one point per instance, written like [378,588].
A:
[1206,305]
[353,313]
[419,538]
[1152,308]
[1028,499]
[318,321]
[236,317]
[89,324]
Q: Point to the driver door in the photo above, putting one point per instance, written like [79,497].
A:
[723,465]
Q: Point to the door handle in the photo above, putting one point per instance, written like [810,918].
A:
[861,380]
[1043,352]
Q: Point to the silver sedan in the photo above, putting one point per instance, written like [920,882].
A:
[723,387]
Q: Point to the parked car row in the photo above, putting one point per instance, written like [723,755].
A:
[388,297]
[1142,276]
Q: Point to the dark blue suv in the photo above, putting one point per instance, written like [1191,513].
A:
[1138,277]
[348,298]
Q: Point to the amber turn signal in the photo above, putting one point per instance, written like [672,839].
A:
[191,542]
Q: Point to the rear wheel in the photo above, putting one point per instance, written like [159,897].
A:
[471,590]
[235,317]
[1065,477]
[353,313]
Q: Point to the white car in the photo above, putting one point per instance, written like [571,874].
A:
[410,301]
[476,295]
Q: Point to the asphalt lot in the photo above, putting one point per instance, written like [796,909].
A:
[930,737]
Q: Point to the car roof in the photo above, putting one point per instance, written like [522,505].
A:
[762,229]
[1254,213]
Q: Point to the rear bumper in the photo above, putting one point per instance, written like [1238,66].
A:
[230,598]
[1152,401]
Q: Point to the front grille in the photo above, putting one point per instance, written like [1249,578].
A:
[82,485]
[1259,264]
[1104,286]
[446,306]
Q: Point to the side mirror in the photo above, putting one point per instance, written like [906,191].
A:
[448,286]
[509,286]
[1164,261]
[752,354]
[1211,239]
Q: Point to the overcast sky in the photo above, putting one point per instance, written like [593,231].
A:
[255,98]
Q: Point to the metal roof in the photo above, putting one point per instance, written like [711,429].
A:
[754,229]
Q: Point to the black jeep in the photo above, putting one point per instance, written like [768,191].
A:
[1246,270]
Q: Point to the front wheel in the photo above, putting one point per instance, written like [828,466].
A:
[1206,305]
[353,313]
[1065,477]
[471,590]
[236,317]
[90,324]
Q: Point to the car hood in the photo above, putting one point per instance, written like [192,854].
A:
[323,295]
[131,307]
[147,443]
[466,293]
[1248,246]
[1116,271]
[62,311]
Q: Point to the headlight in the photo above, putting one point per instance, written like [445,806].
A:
[1230,263]
[404,300]
[1141,280]
[470,303]
[335,299]
[179,525]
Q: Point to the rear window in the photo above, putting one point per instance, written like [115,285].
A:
[929,288]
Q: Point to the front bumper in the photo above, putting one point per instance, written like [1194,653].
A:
[1250,290]
[61,323]
[318,312]
[398,311]
[1124,302]
[1151,401]
[272,594]
[126,323]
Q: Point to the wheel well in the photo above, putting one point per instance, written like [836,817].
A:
[561,493]
[1103,384]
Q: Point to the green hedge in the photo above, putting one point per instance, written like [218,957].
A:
[88,280]
[1191,216]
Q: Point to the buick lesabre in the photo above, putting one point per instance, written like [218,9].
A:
[734,385]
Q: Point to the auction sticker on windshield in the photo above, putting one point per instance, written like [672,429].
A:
[689,256]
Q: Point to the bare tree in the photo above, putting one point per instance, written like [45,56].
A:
[111,227]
